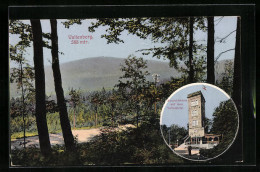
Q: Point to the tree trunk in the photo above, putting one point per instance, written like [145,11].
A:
[96,119]
[191,72]
[74,122]
[41,121]
[236,94]
[21,73]
[137,116]
[96,115]
[137,121]
[155,107]
[210,51]
[64,119]
[113,119]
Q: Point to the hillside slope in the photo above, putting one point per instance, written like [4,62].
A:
[91,74]
[95,73]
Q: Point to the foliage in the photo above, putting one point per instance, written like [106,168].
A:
[16,124]
[23,76]
[227,78]
[133,74]
[19,135]
[75,97]
[225,122]
[225,118]
[175,132]
[16,120]
[172,85]
[84,120]
[51,106]
[114,107]
[97,99]
[173,33]
[33,157]
[207,124]
[113,101]
[132,84]
[24,31]
[75,101]
[70,22]
[15,107]
[141,145]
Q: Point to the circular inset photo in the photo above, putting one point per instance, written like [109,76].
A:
[199,122]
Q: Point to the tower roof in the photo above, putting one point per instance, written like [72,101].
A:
[195,94]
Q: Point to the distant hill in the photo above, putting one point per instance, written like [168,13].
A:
[95,73]
[91,74]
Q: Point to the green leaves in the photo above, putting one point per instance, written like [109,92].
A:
[132,84]
[134,75]
[22,29]
[226,80]
[176,133]
[225,122]
[70,22]
[75,97]
[225,118]
[172,32]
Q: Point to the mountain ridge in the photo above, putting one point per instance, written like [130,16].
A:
[98,72]
[94,73]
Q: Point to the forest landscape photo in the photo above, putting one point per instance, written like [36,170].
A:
[90,91]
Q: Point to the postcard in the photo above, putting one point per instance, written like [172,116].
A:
[125,91]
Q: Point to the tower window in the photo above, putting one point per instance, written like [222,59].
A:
[195,122]
[194,113]
[194,103]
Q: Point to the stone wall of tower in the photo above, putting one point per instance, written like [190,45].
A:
[196,109]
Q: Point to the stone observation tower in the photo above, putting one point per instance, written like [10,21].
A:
[198,137]
[196,106]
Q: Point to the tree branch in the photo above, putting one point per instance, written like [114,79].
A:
[222,39]
[219,20]
[222,53]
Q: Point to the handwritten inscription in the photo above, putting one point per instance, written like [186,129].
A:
[176,104]
[80,39]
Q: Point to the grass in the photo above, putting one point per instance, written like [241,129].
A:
[18,135]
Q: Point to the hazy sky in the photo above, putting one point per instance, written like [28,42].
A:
[213,96]
[99,47]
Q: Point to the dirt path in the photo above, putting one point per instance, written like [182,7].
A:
[82,135]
